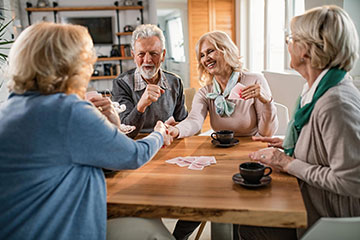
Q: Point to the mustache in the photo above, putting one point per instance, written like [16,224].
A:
[147,65]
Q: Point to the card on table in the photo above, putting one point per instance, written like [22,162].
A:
[193,163]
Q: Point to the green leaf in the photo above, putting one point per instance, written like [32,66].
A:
[3,26]
[6,42]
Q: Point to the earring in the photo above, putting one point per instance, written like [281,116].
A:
[302,59]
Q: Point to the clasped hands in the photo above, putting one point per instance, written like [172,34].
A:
[273,156]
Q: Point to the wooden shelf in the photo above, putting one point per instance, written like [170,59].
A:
[114,59]
[94,8]
[102,77]
[123,33]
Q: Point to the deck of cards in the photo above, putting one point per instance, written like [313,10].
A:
[193,163]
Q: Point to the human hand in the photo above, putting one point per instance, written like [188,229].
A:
[105,106]
[173,131]
[273,157]
[162,128]
[271,141]
[255,91]
[171,121]
[150,95]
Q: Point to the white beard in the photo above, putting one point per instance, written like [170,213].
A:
[148,74]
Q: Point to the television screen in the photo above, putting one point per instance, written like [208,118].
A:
[100,28]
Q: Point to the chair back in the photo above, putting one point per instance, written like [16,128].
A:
[189,96]
[334,229]
[283,117]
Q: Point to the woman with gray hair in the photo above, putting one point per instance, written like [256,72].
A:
[321,147]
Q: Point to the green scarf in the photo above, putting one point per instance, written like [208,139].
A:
[302,114]
[222,105]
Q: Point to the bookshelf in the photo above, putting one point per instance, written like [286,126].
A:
[55,9]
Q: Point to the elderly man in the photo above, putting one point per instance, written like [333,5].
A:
[149,93]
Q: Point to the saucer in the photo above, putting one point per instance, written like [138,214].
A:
[233,142]
[237,178]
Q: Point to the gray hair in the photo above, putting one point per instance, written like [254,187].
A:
[329,35]
[147,31]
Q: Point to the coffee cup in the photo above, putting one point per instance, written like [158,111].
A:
[223,136]
[252,172]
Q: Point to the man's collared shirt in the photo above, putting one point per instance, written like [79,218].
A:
[140,83]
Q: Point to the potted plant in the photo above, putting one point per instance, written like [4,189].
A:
[4,45]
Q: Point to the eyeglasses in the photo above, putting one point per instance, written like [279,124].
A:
[288,39]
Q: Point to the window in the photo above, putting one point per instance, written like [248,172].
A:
[262,32]
[175,30]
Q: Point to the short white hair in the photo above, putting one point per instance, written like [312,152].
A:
[329,35]
[147,31]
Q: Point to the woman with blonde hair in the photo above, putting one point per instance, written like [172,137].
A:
[54,144]
[321,147]
[236,100]
[251,112]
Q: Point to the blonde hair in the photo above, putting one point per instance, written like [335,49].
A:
[329,35]
[223,43]
[50,58]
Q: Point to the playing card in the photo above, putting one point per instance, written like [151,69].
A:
[188,159]
[173,160]
[194,166]
[182,164]
[235,93]
[126,128]
[210,159]
[92,94]
[193,163]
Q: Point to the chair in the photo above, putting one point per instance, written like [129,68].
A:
[334,229]
[189,96]
[285,88]
[283,117]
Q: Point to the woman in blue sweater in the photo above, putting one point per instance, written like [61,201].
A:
[53,144]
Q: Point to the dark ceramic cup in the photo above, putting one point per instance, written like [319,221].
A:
[252,172]
[223,136]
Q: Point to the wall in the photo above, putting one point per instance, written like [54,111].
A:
[205,16]
[287,87]
[126,18]
[352,7]
[178,8]
[11,32]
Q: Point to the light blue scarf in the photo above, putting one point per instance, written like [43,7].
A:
[222,105]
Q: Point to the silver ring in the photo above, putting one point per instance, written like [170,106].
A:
[100,109]
[262,156]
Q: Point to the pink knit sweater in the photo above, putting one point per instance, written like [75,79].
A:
[250,117]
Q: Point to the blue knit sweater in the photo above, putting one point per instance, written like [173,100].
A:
[52,149]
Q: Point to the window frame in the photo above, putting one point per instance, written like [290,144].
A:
[243,35]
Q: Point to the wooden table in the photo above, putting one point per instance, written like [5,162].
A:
[159,189]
